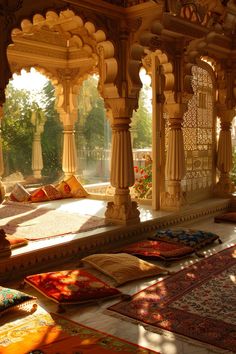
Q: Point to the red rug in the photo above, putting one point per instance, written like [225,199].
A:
[33,223]
[54,334]
[198,302]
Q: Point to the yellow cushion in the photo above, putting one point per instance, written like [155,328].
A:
[123,267]
[77,190]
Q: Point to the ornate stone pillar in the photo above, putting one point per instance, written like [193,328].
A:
[174,197]
[67,107]
[2,188]
[225,187]
[122,210]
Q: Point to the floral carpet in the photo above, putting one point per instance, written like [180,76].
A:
[198,302]
[53,334]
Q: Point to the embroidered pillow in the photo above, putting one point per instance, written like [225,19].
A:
[77,190]
[189,237]
[19,194]
[226,217]
[13,300]
[64,189]
[38,195]
[71,286]
[157,249]
[123,267]
[51,192]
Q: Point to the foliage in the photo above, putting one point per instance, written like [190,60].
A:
[143,180]
[52,136]
[92,121]
[17,131]
[19,125]
[141,125]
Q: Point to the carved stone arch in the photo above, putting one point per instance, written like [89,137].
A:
[78,34]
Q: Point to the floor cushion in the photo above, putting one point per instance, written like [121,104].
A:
[226,217]
[14,300]
[189,237]
[16,241]
[152,249]
[52,192]
[64,189]
[77,190]
[71,286]
[19,193]
[38,195]
[123,267]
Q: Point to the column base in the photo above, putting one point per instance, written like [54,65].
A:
[225,187]
[175,198]
[37,174]
[126,213]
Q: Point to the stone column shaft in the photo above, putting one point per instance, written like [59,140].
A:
[69,157]
[225,187]
[122,210]
[174,198]
[37,156]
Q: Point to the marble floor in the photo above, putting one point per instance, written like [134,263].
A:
[94,315]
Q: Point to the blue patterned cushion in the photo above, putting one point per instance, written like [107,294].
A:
[189,237]
[11,299]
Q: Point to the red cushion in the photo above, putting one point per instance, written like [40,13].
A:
[71,286]
[157,249]
[226,217]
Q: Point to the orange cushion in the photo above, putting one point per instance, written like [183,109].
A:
[16,241]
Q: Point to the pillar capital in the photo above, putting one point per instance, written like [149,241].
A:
[120,109]
[175,111]
[226,115]
[67,101]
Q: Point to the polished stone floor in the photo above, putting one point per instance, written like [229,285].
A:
[94,315]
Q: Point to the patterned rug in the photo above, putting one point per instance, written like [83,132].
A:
[198,302]
[51,334]
[33,223]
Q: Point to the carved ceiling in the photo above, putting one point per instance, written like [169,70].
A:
[56,41]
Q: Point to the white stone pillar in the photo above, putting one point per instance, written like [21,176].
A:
[225,187]
[69,155]
[38,120]
[122,210]
[174,197]
[37,156]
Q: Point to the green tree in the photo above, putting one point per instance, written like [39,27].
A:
[52,135]
[92,121]
[17,131]
[142,122]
